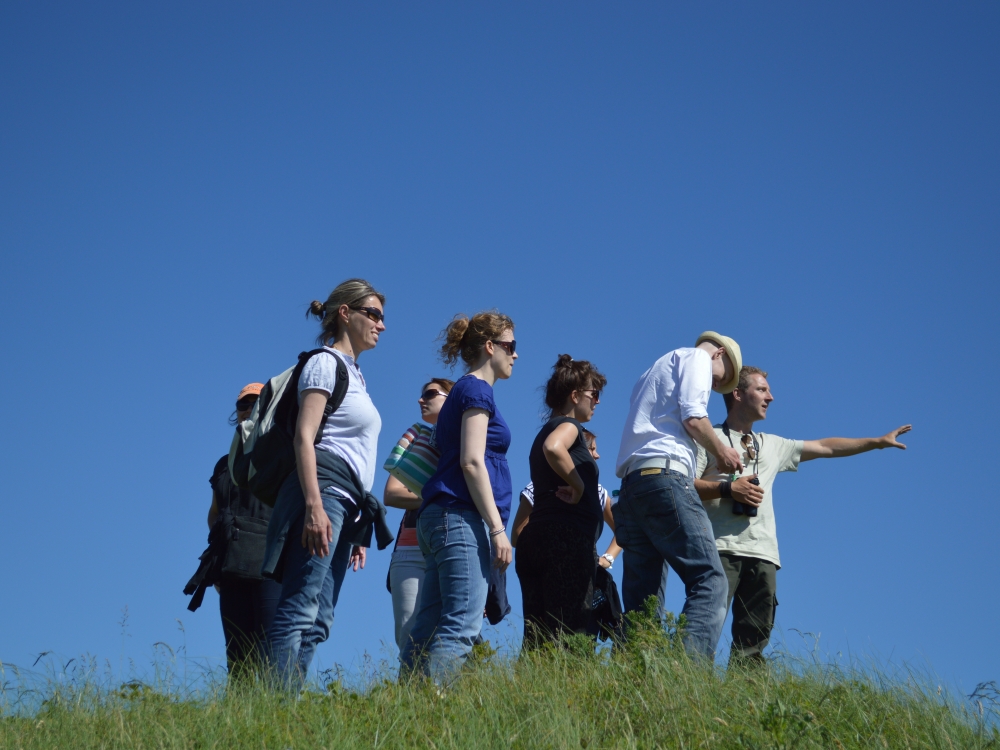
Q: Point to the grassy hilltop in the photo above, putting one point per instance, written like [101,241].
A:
[647,694]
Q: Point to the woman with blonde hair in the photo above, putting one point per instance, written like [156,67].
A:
[324,513]
[462,518]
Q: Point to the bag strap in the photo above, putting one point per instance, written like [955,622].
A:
[290,414]
[336,398]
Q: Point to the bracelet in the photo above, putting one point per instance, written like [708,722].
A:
[497,532]
[726,490]
[611,561]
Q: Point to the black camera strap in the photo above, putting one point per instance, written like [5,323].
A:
[756,447]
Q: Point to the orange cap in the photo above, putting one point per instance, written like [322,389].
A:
[253,389]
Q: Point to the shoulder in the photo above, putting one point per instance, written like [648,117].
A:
[694,357]
[222,465]
[776,442]
[472,393]
[772,439]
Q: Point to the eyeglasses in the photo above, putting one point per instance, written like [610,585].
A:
[374,314]
[246,403]
[595,394]
[749,446]
[431,393]
[508,346]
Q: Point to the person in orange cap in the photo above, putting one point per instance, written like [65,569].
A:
[247,601]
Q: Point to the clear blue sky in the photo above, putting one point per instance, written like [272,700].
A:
[819,182]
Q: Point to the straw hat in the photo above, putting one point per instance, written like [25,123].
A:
[734,353]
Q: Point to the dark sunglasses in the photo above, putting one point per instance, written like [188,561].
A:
[509,346]
[373,313]
[245,403]
[431,393]
[595,394]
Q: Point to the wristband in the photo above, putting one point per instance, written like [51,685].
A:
[611,561]
[726,490]
[497,532]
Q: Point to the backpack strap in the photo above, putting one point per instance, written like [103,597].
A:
[336,398]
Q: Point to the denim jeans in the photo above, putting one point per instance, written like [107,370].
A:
[406,576]
[660,518]
[309,592]
[456,549]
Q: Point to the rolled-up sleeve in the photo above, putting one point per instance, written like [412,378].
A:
[694,386]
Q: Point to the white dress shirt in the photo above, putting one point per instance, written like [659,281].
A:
[675,388]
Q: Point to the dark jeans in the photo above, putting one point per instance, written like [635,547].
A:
[752,587]
[247,609]
[555,565]
[660,517]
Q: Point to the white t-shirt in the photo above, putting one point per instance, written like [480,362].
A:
[755,536]
[529,495]
[352,431]
[675,388]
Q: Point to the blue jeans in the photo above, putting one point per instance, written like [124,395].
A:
[456,547]
[309,592]
[660,518]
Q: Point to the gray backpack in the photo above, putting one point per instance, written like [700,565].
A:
[262,454]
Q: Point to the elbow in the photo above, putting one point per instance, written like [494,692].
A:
[471,465]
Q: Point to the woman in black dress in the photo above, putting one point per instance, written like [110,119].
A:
[556,557]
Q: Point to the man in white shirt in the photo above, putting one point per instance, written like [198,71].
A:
[659,516]
[742,512]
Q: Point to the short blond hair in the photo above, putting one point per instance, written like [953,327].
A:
[744,382]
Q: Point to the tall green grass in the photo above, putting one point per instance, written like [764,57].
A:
[645,694]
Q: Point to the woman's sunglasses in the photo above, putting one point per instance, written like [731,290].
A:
[431,393]
[595,394]
[246,403]
[374,314]
[509,346]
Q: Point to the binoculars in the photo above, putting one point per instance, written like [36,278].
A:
[739,509]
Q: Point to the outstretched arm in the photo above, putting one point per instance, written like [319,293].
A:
[840,447]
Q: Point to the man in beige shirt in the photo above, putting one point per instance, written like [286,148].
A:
[741,510]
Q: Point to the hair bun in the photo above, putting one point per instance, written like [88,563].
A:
[317,308]
[564,360]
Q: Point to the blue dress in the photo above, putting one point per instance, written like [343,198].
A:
[447,486]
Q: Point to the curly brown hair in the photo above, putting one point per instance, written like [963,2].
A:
[465,337]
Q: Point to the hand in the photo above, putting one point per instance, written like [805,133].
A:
[502,551]
[603,562]
[728,460]
[889,439]
[746,493]
[357,561]
[317,531]
[569,495]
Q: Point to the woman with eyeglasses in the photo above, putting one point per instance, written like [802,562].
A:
[406,569]
[324,507]
[461,521]
[556,551]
